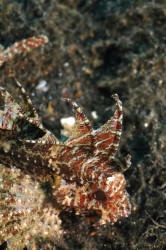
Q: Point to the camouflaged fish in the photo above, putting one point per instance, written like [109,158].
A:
[79,171]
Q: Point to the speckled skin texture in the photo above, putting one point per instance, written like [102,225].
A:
[78,171]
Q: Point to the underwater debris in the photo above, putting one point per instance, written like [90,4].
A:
[22,46]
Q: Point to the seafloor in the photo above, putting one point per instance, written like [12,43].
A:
[95,49]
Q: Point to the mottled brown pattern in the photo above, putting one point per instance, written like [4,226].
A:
[79,172]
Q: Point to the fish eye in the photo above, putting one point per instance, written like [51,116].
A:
[99,195]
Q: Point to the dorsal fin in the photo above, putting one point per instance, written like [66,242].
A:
[107,137]
[28,108]
[82,131]
[9,110]
[19,120]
